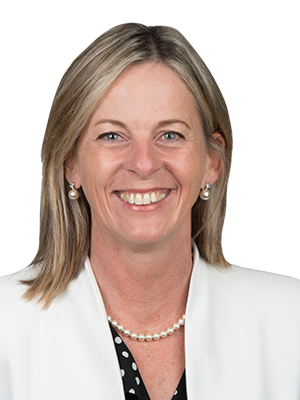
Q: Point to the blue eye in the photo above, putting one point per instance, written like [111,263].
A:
[110,136]
[171,136]
[113,136]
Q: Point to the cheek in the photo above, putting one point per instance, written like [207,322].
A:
[89,163]
[196,185]
[99,172]
[190,174]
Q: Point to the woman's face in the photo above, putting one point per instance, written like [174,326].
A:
[141,161]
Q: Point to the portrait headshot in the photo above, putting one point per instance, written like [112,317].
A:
[150,202]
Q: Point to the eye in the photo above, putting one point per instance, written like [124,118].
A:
[110,136]
[169,136]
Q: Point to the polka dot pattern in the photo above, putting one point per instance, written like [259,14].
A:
[118,340]
[133,384]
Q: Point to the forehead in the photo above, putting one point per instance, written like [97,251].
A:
[147,92]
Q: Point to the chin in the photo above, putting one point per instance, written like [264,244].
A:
[145,237]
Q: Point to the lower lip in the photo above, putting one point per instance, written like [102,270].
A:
[146,207]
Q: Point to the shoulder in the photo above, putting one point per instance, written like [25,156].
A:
[259,282]
[11,294]
[243,281]
[15,308]
[237,287]
[258,291]
[11,286]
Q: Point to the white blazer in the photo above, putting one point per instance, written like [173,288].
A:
[242,339]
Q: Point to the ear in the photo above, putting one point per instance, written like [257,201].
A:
[214,164]
[71,173]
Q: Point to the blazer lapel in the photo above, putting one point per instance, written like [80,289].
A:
[197,340]
[109,380]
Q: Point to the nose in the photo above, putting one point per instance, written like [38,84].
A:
[143,159]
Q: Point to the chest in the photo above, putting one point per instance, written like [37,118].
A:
[161,364]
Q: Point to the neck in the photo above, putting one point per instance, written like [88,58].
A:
[143,285]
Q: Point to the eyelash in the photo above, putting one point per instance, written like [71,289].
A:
[177,134]
[107,134]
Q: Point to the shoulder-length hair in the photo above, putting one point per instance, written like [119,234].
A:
[65,225]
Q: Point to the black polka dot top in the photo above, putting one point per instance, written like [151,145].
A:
[133,384]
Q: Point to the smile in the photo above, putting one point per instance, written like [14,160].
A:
[142,199]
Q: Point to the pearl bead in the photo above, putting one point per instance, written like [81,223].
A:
[205,194]
[148,337]
[141,337]
[134,335]
[73,194]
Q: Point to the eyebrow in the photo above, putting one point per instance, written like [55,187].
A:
[161,124]
[171,122]
[110,121]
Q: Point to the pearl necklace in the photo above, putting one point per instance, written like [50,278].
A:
[141,337]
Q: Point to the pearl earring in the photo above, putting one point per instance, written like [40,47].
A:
[205,193]
[73,193]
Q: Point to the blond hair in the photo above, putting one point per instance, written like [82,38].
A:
[65,225]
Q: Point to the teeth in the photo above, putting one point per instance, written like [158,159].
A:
[153,198]
[131,199]
[145,199]
[138,200]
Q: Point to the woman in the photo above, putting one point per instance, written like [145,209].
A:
[136,159]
